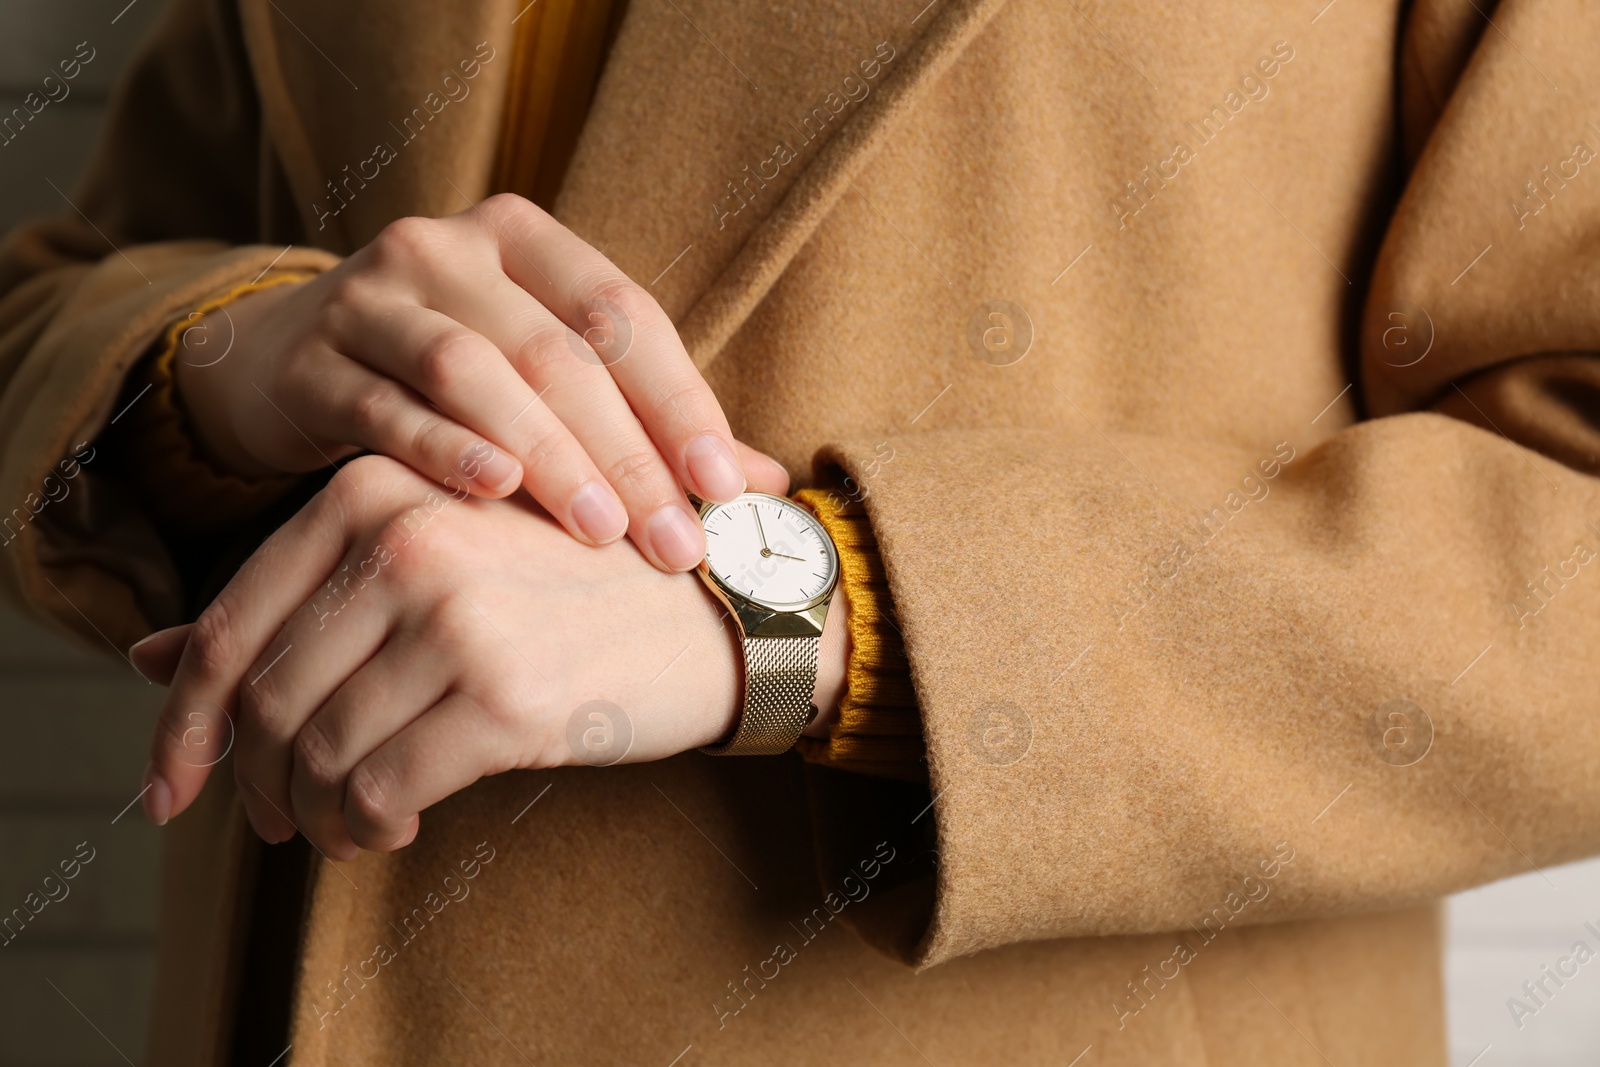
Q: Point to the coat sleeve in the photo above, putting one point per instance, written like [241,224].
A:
[164,221]
[1169,685]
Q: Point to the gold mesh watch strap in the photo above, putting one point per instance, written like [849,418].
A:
[780,676]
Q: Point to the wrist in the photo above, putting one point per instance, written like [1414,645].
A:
[833,661]
[727,666]
[206,371]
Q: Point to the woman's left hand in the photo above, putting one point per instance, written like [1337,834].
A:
[392,644]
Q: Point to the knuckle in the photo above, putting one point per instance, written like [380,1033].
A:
[316,757]
[636,474]
[444,360]
[423,550]
[369,557]
[355,482]
[457,630]
[543,449]
[349,295]
[343,497]
[618,297]
[546,345]
[361,487]
[438,439]
[510,205]
[449,627]
[370,797]
[687,398]
[258,707]
[212,642]
[373,408]
[410,562]
[406,239]
[510,713]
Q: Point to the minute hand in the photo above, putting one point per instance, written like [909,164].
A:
[765,551]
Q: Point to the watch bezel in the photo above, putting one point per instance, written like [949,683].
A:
[708,506]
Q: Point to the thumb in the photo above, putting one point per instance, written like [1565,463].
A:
[157,656]
[763,473]
[184,747]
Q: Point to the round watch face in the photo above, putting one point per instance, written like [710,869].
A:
[770,551]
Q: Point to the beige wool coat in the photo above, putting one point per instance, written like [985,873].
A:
[1220,382]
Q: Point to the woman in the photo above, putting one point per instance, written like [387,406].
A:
[1072,313]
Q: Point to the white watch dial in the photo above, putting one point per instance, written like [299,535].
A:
[769,550]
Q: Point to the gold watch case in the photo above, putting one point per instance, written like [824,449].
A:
[760,620]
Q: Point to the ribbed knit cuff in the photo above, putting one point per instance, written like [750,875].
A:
[879,730]
[181,488]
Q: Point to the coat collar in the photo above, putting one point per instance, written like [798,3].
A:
[721,135]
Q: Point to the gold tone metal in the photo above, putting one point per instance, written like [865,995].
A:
[780,657]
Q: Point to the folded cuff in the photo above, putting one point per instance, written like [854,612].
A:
[879,730]
[179,485]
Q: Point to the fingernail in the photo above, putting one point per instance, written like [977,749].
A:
[157,797]
[715,472]
[498,474]
[598,513]
[133,656]
[788,479]
[268,824]
[675,538]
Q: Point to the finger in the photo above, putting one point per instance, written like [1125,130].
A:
[397,685]
[461,391]
[326,641]
[446,749]
[630,333]
[661,521]
[359,396]
[195,728]
[475,386]
[156,657]
[584,399]
[766,474]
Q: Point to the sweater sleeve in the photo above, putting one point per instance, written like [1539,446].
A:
[879,731]
[181,487]
[86,294]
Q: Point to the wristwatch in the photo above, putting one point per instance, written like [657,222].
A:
[775,567]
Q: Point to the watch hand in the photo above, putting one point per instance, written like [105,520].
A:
[765,551]
[780,555]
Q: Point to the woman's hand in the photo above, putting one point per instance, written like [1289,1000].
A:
[393,643]
[496,325]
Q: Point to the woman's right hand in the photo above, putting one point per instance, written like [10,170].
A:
[494,348]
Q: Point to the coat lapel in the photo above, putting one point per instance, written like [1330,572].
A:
[779,234]
[723,133]
[720,136]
